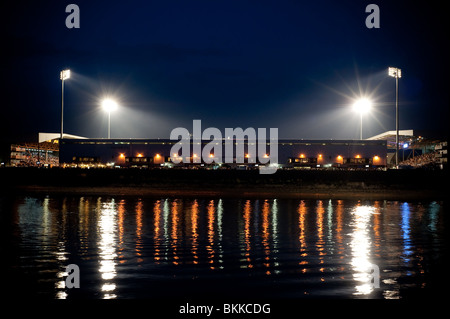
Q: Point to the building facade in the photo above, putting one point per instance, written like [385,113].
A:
[307,154]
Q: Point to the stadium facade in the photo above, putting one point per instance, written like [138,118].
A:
[308,154]
[372,153]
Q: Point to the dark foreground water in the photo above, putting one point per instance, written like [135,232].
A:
[130,247]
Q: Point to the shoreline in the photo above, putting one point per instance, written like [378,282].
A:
[236,192]
[159,183]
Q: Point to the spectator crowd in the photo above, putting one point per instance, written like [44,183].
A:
[423,160]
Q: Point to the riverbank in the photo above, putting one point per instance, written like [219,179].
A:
[391,184]
[267,193]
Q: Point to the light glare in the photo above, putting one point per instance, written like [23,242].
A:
[395,72]
[109,105]
[65,74]
[362,106]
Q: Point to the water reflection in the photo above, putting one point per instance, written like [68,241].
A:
[266,235]
[247,233]
[315,244]
[175,211]
[320,244]
[406,232]
[107,227]
[361,244]
[220,232]
[194,231]
[139,225]
[302,235]
[210,246]
[121,212]
[60,251]
[339,223]
[157,230]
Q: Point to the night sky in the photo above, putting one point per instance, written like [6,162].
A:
[294,65]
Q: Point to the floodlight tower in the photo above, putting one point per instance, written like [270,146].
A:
[64,75]
[362,106]
[397,74]
[109,106]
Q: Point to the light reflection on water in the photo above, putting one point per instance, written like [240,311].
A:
[361,244]
[107,244]
[125,247]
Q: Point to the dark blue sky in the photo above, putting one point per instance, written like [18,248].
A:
[295,65]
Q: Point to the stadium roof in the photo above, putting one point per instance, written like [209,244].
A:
[404,136]
[46,137]
[392,134]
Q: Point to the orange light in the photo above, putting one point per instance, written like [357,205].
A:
[140,155]
[302,155]
[195,155]
[320,155]
[266,155]
[358,156]
[339,157]
[158,156]
[376,158]
[211,155]
[247,155]
[122,155]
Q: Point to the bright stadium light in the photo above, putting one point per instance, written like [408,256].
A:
[64,75]
[362,106]
[109,106]
[397,74]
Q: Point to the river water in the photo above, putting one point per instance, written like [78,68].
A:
[131,247]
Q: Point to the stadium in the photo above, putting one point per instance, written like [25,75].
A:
[377,152]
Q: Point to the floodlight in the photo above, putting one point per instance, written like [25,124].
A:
[362,106]
[65,74]
[395,72]
[109,105]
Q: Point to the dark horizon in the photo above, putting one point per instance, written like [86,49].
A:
[292,65]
